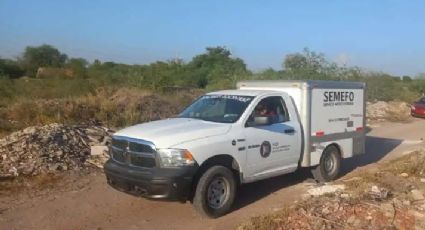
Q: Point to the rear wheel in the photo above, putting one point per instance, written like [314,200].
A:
[215,192]
[329,166]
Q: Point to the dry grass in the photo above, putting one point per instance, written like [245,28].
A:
[398,176]
[111,107]
[413,164]
[308,214]
[18,185]
[267,222]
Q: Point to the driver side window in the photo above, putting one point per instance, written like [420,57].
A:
[272,108]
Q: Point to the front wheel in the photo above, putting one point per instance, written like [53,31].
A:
[215,192]
[329,166]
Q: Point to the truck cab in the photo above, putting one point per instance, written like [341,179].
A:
[221,140]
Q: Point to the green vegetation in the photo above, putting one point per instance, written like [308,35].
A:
[44,80]
[42,56]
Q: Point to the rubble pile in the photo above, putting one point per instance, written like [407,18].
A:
[342,210]
[391,196]
[52,147]
[388,111]
[376,111]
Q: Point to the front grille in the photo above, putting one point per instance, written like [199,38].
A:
[142,148]
[119,143]
[118,155]
[142,161]
[133,152]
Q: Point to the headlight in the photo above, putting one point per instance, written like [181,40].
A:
[175,157]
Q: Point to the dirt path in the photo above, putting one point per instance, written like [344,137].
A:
[91,204]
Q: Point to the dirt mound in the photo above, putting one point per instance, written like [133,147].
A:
[388,111]
[53,147]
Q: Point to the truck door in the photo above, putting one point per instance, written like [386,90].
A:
[272,146]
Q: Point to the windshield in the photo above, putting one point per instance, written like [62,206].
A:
[217,108]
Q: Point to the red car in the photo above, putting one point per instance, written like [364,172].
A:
[418,108]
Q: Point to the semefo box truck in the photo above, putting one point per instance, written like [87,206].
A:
[226,138]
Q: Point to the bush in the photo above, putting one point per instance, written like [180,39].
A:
[111,107]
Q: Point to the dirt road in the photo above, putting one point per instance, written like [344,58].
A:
[88,203]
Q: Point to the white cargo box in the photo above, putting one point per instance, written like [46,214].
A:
[329,111]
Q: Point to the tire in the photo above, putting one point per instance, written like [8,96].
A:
[215,192]
[329,166]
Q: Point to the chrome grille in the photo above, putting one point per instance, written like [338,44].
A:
[142,148]
[142,161]
[133,152]
[118,155]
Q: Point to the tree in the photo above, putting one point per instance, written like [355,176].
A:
[216,66]
[271,74]
[295,62]
[381,86]
[78,66]
[10,68]
[42,56]
[308,65]
[406,79]
[420,76]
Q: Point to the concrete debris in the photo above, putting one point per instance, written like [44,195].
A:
[53,147]
[98,150]
[335,212]
[99,155]
[325,189]
[345,195]
[377,110]
[379,199]
[388,111]
[378,193]
[404,174]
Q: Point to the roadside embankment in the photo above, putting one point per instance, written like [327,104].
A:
[390,196]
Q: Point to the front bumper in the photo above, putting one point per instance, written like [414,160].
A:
[418,114]
[152,183]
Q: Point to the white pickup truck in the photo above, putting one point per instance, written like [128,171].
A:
[226,138]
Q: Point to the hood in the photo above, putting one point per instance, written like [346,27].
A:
[170,132]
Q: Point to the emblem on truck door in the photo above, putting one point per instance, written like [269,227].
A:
[265,149]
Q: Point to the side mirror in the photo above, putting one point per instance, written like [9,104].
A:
[259,121]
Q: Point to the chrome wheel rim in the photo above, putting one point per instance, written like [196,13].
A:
[329,163]
[218,192]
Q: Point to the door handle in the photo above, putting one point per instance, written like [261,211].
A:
[289,131]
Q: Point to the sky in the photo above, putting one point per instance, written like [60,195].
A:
[386,35]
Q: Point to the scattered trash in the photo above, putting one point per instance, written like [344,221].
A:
[325,189]
[377,193]
[404,174]
[99,155]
